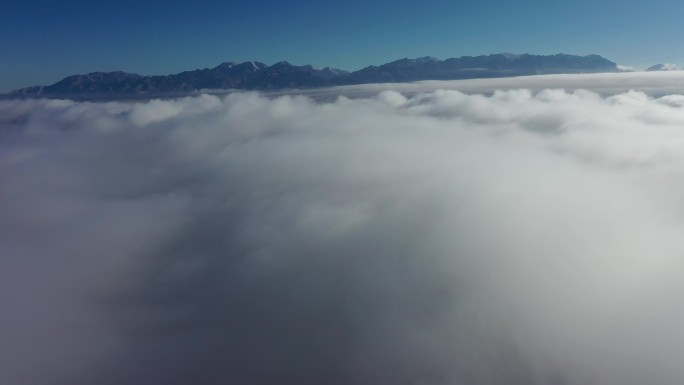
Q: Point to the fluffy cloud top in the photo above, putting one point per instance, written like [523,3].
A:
[441,238]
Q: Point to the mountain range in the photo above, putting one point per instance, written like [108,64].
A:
[664,67]
[253,75]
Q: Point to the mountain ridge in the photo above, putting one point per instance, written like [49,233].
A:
[253,75]
[663,67]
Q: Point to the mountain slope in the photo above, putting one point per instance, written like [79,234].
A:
[466,67]
[663,67]
[283,75]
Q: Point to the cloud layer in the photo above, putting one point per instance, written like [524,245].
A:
[445,238]
[658,84]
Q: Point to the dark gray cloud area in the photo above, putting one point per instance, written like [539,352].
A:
[518,238]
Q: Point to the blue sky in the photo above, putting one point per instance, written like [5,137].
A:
[44,41]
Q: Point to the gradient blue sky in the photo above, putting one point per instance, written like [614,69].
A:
[44,41]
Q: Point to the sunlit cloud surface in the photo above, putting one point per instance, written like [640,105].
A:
[518,237]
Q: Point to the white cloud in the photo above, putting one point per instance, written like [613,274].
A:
[625,68]
[658,83]
[425,237]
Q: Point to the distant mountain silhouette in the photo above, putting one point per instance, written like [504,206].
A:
[490,66]
[663,67]
[283,75]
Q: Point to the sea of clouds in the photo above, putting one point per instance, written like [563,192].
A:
[519,237]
